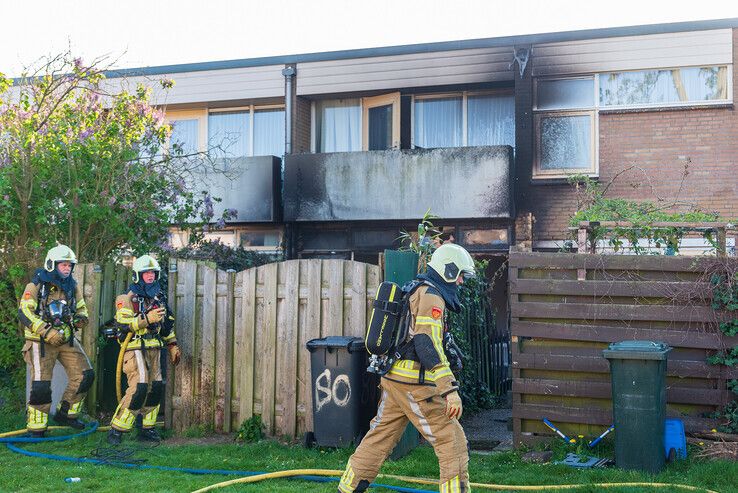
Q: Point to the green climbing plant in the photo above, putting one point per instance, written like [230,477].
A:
[725,299]
[594,205]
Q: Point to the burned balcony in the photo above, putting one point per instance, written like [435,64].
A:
[461,182]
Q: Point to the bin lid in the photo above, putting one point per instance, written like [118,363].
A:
[352,344]
[637,350]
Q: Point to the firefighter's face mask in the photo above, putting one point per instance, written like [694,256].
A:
[64,269]
[148,277]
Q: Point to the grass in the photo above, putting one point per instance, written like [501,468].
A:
[20,473]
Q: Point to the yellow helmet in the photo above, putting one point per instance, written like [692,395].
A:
[145,263]
[60,253]
[451,261]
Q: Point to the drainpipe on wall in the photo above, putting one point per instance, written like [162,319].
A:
[289,229]
[289,74]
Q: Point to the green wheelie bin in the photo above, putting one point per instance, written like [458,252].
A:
[638,375]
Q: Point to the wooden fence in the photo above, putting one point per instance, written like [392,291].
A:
[560,325]
[243,338]
[100,286]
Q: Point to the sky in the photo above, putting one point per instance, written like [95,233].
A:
[140,33]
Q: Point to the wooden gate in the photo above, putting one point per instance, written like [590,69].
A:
[243,338]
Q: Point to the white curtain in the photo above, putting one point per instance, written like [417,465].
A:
[438,122]
[228,134]
[269,132]
[664,86]
[184,134]
[491,120]
[339,125]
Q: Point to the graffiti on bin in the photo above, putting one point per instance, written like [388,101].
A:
[338,390]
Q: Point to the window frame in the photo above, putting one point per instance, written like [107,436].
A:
[314,123]
[251,109]
[591,111]
[597,108]
[200,115]
[592,171]
[464,108]
[677,104]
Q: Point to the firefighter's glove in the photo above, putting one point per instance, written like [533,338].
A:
[453,405]
[174,354]
[155,316]
[52,336]
[80,321]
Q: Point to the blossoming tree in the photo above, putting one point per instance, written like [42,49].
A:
[88,168]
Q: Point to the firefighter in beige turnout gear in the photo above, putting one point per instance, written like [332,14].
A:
[51,308]
[421,387]
[144,311]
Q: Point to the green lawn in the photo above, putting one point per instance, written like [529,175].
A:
[20,473]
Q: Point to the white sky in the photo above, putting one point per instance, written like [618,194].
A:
[162,32]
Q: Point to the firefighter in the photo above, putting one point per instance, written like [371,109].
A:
[51,309]
[144,311]
[420,387]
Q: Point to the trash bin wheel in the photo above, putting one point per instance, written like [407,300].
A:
[308,440]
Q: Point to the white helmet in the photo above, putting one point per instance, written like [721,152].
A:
[143,264]
[60,253]
[451,261]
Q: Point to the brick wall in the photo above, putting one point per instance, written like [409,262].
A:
[301,122]
[659,142]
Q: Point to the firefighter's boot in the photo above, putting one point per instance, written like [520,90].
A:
[149,435]
[114,436]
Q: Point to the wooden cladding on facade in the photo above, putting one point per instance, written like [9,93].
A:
[400,71]
[667,50]
[243,338]
[561,325]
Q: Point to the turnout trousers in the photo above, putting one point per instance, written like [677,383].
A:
[420,405]
[80,376]
[145,389]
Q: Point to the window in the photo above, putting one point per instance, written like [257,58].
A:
[463,119]
[566,110]
[229,134]
[261,240]
[679,86]
[338,125]
[185,135]
[251,131]
[565,121]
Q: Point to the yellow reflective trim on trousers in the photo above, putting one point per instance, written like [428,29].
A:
[150,419]
[125,421]
[75,408]
[348,477]
[37,419]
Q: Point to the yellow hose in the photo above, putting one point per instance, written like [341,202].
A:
[484,486]
[24,431]
[119,366]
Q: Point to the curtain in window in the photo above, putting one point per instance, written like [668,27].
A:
[438,122]
[338,125]
[184,134]
[228,134]
[681,85]
[269,132]
[491,120]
